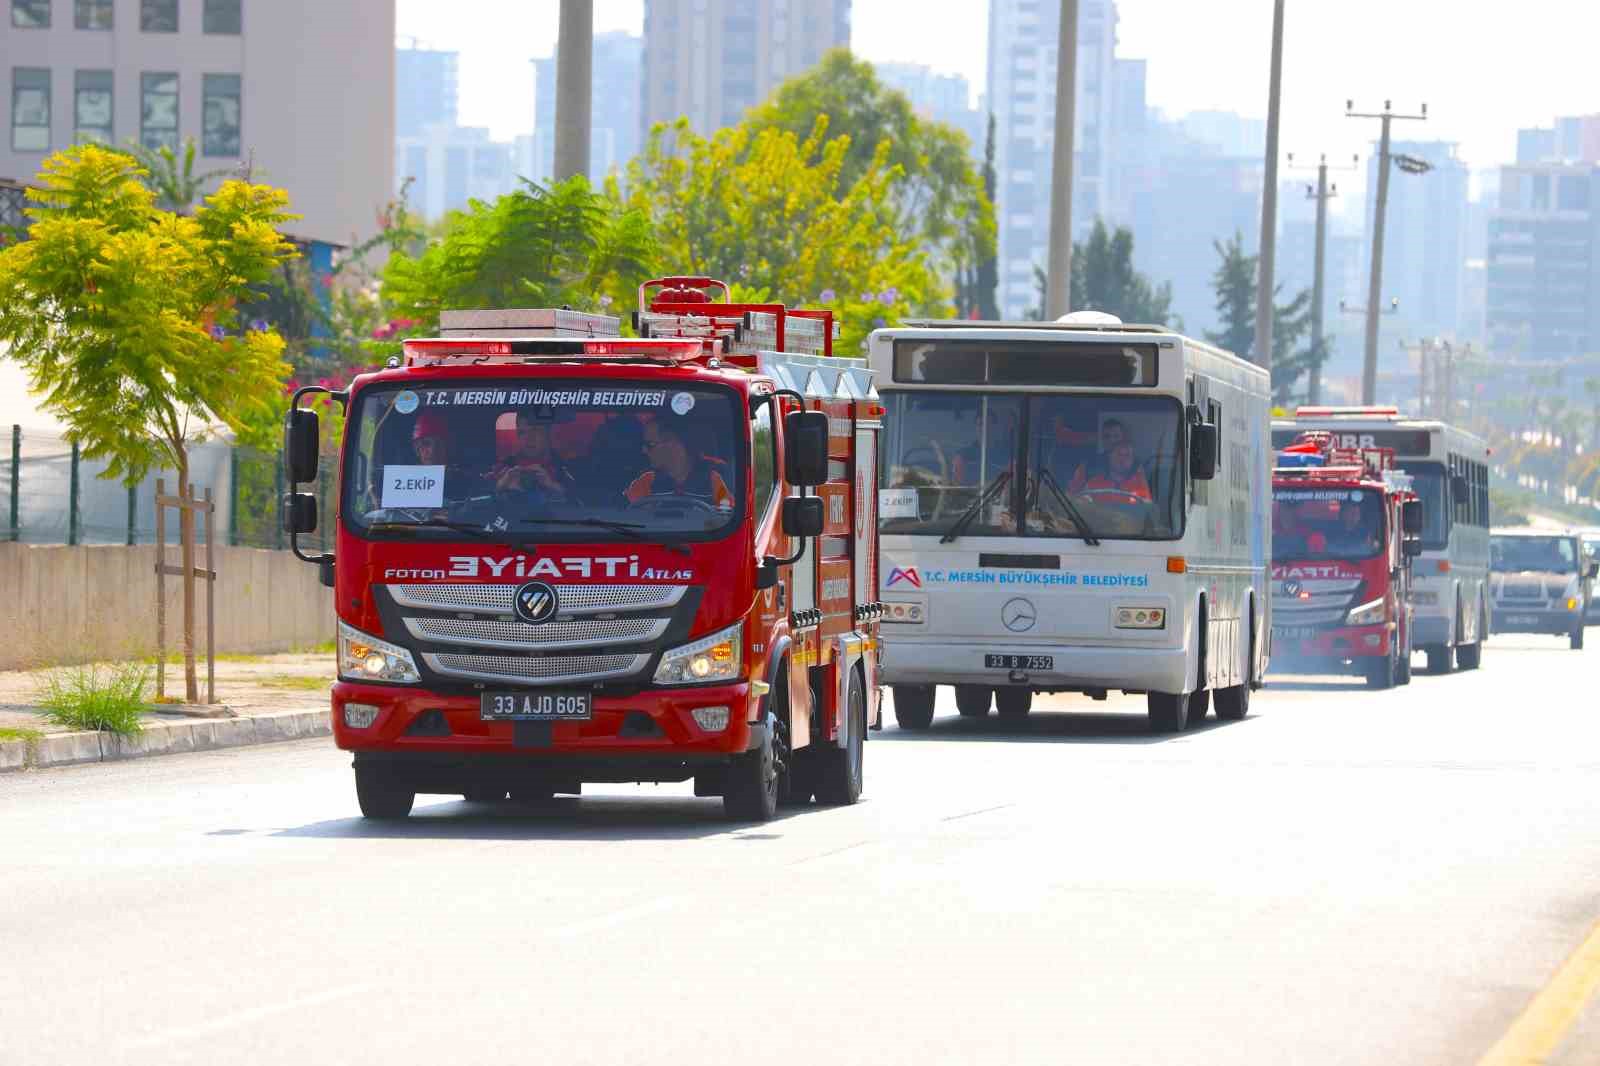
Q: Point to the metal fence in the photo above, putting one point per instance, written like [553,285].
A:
[56,496]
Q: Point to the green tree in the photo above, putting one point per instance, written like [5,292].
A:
[1103,279]
[773,213]
[172,176]
[977,282]
[124,317]
[1234,283]
[934,188]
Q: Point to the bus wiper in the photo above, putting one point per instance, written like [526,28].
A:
[959,526]
[624,529]
[1046,477]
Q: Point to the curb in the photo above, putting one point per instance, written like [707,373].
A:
[162,738]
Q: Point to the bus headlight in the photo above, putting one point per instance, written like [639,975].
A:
[1368,614]
[363,657]
[1141,618]
[718,657]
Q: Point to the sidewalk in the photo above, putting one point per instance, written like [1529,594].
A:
[261,699]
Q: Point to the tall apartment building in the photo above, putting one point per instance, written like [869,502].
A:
[1570,139]
[448,165]
[945,98]
[713,60]
[1424,241]
[425,89]
[1543,267]
[617,64]
[1021,92]
[303,90]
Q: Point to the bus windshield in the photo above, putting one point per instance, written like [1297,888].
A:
[544,460]
[1042,466]
[1326,523]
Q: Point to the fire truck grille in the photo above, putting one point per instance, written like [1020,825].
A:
[1326,603]
[498,634]
[550,669]
[574,599]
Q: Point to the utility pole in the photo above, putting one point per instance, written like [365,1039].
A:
[1266,262]
[1369,366]
[1321,194]
[574,81]
[1058,286]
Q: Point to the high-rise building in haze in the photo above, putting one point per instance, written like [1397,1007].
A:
[449,165]
[614,106]
[943,98]
[1021,92]
[1543,268]
[1424,242]
[277,89]
[713,60]
[425,89]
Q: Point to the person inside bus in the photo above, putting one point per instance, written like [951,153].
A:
[1119,469]
[678,467]
[534,467]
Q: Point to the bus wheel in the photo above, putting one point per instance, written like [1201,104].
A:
[839,770]
[913,706]
[1577,637]
[973,700]
[1013,702]
[1438,659]
[1468,656]
[1199,704]
[380,796]
[1169,711]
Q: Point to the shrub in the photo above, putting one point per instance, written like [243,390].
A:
[108,696]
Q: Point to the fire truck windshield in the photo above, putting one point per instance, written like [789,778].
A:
[547,459]
[1326,523]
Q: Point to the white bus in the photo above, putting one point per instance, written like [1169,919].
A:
[1076,506]
[1450,471]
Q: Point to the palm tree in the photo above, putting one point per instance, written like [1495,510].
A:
[173,180]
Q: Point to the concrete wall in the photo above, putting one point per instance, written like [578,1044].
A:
[78,603]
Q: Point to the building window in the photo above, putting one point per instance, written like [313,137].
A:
[158,110]
[221,16]
[91,106]
[158,16]
[91,14]
[30,109]
[220,116]
[30,14]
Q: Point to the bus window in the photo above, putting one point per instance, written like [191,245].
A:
[1432,486]
[1113,459]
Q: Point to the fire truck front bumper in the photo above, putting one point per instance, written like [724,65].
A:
[663,734]
[1310,650]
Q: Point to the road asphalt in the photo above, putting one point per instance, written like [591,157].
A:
[1344,877]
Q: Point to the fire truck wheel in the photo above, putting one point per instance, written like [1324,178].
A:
[1402,673]
[380,796]
[1169,711]
[1380,672]
[1438,660]
[913,706]
[1577,637]
[751,794]
[971,700]
[839,770]
[1013,702]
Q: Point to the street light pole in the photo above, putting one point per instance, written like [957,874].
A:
[1058,285]
[574,78]
[1321,194]
[1267,260]
[1369,366]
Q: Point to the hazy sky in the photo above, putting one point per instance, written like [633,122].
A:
[1483,69]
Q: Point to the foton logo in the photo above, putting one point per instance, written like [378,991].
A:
[909,575]
[521,566]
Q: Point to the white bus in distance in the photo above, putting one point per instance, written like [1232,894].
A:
[1449,468]
[1076,506]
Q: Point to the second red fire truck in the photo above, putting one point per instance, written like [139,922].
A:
[1345,529]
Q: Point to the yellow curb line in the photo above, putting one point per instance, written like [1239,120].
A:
[1540,1028]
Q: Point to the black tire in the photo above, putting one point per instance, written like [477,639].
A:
[840,770]
[1168,711]
[1380,672]
[1233,702]
[1469,656]
[913,706]
[1438,660]
[483,794]
[1013,702]
[973,700]
[797,782]
[1577,637]
[751,794]
[1402,672]
[380,796]
[1199,704]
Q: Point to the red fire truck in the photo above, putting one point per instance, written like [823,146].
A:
[568,556]
[1345,526]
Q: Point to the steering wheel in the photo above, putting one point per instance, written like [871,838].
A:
[933,449]
[663,498]
[1120,497]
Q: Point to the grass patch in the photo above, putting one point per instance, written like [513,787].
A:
[32,736]
[176,658]
[327,647]
[294,681]
[98,696]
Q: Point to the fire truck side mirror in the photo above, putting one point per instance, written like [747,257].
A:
[805,449]
[1203,451]
[1459,488]
[299,512]
[300,446]
[1411,547]
[1411,517]
[802,516]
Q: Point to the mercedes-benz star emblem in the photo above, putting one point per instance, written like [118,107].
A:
[1291,588]
[1018,615]
[535,602]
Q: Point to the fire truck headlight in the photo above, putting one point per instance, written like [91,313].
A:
[1368,614]
[719,657]
[363,657]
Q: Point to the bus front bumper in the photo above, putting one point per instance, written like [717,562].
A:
[962,661]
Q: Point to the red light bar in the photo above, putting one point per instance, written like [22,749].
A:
[675,350]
